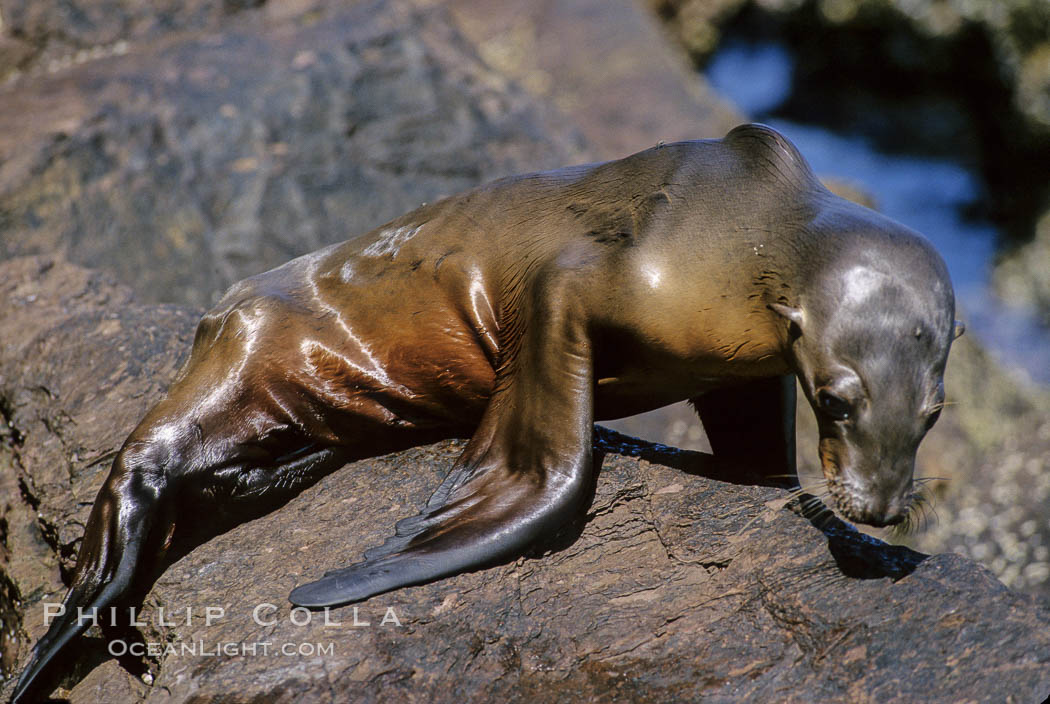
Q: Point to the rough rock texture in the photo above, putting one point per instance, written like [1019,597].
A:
[186,165]
[226,153]
[68,402]
[675,586]
[44,36]
[620,81]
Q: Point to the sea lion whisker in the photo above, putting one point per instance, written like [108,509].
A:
[924,518]
[917,518]
[815,510]
[822,519]
[903,529]
[818,489]
[925,501]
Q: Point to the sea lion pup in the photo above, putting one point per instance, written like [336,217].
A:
[519,313]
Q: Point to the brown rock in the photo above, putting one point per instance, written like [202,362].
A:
[605,63]
[188,164]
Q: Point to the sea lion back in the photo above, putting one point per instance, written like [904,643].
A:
[769,154]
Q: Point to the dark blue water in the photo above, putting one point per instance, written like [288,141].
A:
[928,195]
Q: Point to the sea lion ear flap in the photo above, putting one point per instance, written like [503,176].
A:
[790,312]
[960,328]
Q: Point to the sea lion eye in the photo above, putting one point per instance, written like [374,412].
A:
[834,406]
[932,418]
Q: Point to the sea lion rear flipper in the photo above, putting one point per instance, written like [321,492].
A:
[115,540]
[525,472]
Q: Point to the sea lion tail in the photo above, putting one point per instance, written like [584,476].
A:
[119,524]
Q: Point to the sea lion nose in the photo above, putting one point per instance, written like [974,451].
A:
[893,517]
[890,492]
[886,511]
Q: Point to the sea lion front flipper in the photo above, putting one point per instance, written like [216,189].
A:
[525,472]
[751,426]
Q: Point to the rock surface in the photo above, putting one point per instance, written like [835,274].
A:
[676,586]
[193,162]
[68,402]
[618,79]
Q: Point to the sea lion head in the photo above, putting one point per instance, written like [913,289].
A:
[869,338]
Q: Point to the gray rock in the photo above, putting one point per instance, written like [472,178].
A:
[618,79]
[184,166]
[52,35]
